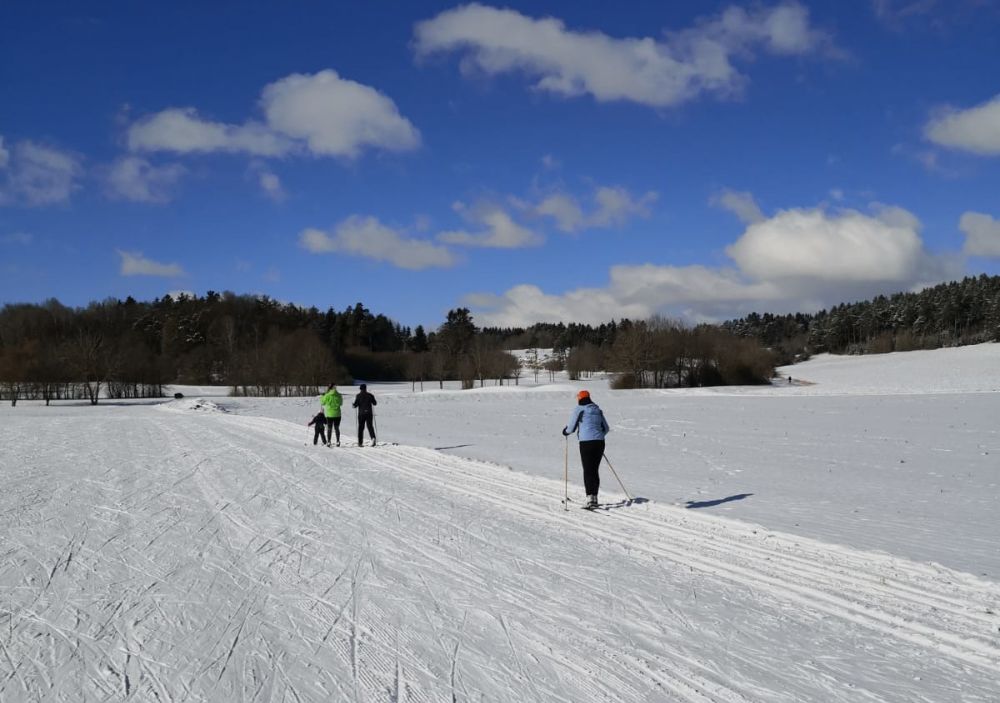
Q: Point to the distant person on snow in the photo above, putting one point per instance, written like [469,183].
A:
[588,421]
[365,403]
[320,422]
[331,402]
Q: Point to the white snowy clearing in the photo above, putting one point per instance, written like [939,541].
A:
[828,542]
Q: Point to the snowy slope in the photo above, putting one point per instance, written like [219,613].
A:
[913,474]
[972,369]
[206,550]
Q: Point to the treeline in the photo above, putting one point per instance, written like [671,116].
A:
[950,314]
[260,347]
[558,336]
[662,353]
[255,345]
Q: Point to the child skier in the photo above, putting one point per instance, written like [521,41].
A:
[320,422]
[588,420]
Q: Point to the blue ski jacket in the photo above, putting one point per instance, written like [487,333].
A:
[589,421]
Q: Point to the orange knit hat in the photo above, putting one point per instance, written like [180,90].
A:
[582,394]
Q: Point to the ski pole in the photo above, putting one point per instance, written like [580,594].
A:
[375,423]
[624,490]
[566,473]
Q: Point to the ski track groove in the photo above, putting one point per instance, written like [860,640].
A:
[863,581]
[979,651]
[258,607]
[374,659]
[679,686]
[619,684]
[888,585]
[786,584]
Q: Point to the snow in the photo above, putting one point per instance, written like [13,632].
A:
[828,542]
[972,369]
[195,404]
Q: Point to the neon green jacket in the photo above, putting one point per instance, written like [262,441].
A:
[331,402]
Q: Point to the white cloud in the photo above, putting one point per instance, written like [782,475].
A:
[613,207]
[943,16]
[498,229]
[369,238]
[848,246]
[22,238]
[321,114]
[635,292]
[33,174]
[670,285]
[976,130]
[136,179]
[741,204]
[796,260]
[928,158]
[893,12]
[133,263]
[177,294]
[268,181]
[182,130]
[680,67]
[335,116]
[982,234]
[550,162]
[564,209]
[271,185]
[527,302]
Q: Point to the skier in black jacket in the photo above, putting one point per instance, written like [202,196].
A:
[320,423]
[365,403]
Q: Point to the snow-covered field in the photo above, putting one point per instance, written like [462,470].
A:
[835,539]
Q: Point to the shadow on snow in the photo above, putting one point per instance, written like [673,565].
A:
[719,501]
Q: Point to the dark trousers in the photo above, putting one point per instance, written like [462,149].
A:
[333,425]
[319,433]
[591,453]
[365,419]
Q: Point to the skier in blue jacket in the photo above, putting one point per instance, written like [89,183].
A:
[588,421]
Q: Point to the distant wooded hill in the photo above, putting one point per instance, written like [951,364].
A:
[950,314]
[259,346]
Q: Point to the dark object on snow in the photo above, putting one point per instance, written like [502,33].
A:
[365,403]
[591,453]
[320,424]
[719,501]
[178,396]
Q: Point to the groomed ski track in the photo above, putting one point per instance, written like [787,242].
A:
[180,556]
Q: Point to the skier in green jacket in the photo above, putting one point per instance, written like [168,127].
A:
[331,402]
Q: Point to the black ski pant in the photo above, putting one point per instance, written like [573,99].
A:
[319,433]
[591,453]
[365,419]
[333,425]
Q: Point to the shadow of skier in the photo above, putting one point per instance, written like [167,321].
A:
[713,503]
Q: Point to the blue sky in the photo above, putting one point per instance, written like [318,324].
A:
[532,161]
